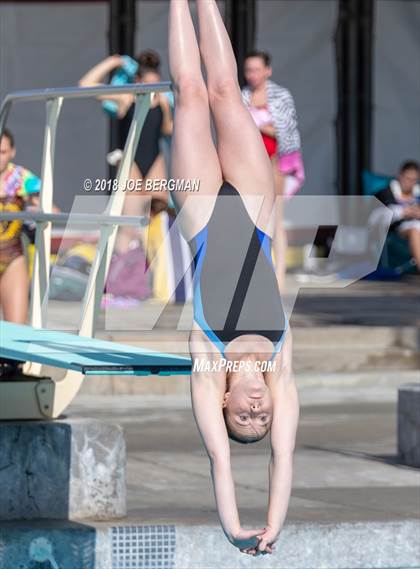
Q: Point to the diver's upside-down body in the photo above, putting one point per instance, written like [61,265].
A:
[235,287]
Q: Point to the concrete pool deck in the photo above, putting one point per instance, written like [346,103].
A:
[346,467]
[353,504]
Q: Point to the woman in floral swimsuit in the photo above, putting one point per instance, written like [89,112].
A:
[17,186]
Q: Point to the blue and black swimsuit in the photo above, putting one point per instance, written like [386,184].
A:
[235,286]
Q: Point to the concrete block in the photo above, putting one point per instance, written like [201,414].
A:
[66,545]
[409,423]
[65,469]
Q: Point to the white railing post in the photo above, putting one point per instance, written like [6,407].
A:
[100,265]
[41,262]
[41,265]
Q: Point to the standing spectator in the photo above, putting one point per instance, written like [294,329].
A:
[402,196]
[148,160]
[17,185]
[273,110]
[19,190]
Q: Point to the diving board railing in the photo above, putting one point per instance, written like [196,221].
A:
[44,217]
[108,222]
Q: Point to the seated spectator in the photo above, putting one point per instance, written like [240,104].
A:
[402,196]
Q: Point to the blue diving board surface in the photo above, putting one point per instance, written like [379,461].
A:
[89,356]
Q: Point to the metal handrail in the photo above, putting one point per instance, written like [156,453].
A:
[75,218]
[77,93]
[80,92]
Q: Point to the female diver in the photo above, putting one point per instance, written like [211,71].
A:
[239,324]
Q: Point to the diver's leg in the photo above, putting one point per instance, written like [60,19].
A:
[193,154]
[241,151]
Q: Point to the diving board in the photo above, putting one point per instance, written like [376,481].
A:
[89,356]
[34,396]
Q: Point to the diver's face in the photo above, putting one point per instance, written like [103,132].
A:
[249,405]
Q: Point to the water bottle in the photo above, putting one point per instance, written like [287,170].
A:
[122,76]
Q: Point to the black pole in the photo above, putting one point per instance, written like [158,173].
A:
[240,18]
[352,95]
[340,57]
[122,25]
[128,26]
[354,89]
[347,91]
[366,79]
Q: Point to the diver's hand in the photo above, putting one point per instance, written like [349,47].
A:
[266,542]
[245,539]
[269,537]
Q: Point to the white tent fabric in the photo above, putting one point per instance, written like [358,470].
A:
[299,36]
[396,84]
[51,45]
[45,44]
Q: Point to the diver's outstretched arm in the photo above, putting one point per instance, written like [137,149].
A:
[283,438]
[207,391]
[207,410]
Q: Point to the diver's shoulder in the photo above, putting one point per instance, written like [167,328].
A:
[199,343]
[282,368]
